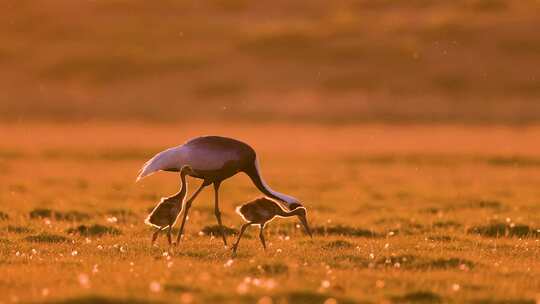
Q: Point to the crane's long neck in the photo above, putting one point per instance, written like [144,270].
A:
[286,213]
[254,173]
[181,195]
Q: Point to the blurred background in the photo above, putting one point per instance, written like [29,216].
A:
[324,62]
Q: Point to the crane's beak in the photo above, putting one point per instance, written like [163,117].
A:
[304,222]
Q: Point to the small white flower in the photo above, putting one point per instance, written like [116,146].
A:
[229,263]
[330,301]
[186,298]
[325,284]
[84,280]
[270,284]
[265,300]
[112,219]
[242,288]
[74,253]
[155,286]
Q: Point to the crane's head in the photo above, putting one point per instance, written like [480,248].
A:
[301,213]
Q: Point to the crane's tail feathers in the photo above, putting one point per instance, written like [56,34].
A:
[147,169]
[168,159]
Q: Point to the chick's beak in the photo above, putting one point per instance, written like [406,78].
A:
[304,222]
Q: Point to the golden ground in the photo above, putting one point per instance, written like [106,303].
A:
[402,213]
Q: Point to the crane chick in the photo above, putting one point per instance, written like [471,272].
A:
[263,210]
[166,212]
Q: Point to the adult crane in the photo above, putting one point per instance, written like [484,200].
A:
[213,159]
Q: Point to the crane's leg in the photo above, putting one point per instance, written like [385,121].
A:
[155,236]
[218,213]
[235,246]
[169,237]
[261,236]
[186,210]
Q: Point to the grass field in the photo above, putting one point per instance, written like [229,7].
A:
[317,61]
[402,214]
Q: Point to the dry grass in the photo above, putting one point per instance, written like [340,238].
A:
[402,214]
[336,61]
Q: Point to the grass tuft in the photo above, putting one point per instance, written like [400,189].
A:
[3,216]
[272,269]
[73,216]
[18,229]
[446,224]
[308,297]
[338,244]
[103,300]
[344,231]
[418,297]
[504,230]
[215,230]
[507,301]
[46,238]
[179,288]
[449,263]
[94,230]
